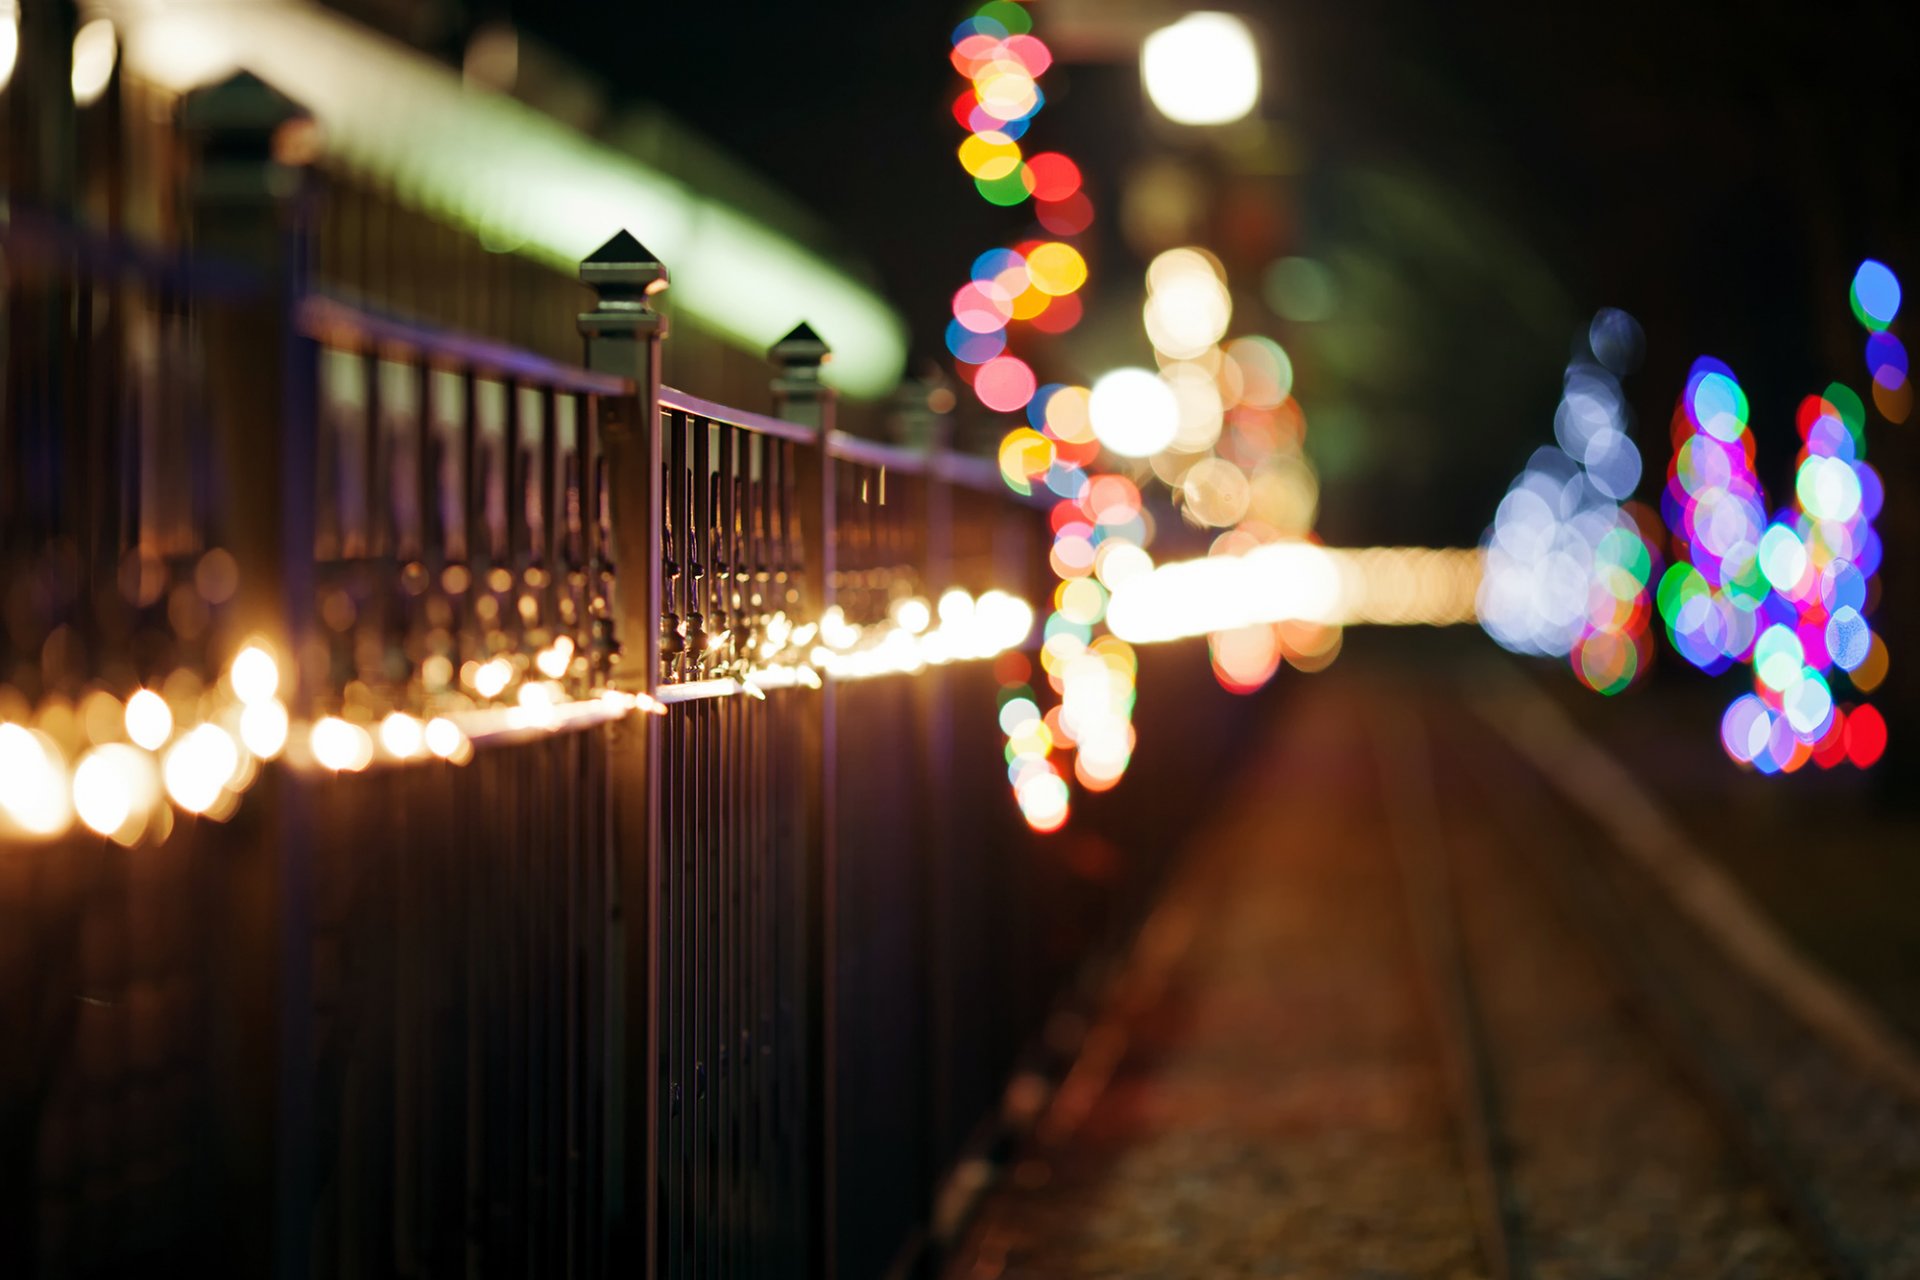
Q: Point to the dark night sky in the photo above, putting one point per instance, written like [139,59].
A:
[1500,171]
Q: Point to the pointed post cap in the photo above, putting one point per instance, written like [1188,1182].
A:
[801,348]
[250,142]
[624,276]
[623,269]
[243,103]
[799,395]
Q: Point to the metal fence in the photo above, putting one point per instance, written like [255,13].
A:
[731,989]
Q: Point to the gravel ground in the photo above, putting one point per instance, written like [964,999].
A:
[1618,1168]
[1276,1106]
[1842,1143]
[1278,1111]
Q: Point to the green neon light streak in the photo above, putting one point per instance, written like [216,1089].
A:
[519,178]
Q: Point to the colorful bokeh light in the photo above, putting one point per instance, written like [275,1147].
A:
[1875,294]
[1037,283]
[1567,566]
[1785,594]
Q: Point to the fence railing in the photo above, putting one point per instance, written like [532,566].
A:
[616,871]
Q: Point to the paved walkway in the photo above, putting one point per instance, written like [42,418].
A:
[1268,1095]
[1276,1109]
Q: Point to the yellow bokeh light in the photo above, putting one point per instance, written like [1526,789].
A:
[263,728]
[988,156]
[491,678]
[912,614]
[33,782]
[341,746]
[1025,454]
[149,719]
[1056,268]
[402,736]
[198,767]
[555,658]
[444,739]
[1029,303]
[113,788]
[255,675]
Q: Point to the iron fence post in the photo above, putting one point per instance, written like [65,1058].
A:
[915,423]
[623,335]
[250,213]
[41,166]
[800,396]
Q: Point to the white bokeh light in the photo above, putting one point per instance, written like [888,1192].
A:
[95,49]
[1204,69]
[9,41]
[1133,412]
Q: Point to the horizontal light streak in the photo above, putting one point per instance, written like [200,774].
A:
[1298,582]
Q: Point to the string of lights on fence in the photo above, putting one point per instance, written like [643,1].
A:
[121,768]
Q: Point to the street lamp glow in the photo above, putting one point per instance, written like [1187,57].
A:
[1204,69]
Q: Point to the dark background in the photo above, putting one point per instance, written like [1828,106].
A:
[1492,173]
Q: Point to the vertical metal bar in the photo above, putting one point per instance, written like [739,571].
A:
[680,1076]
[476,898]
[692,970]
[725,557]
[701,578]
[514,553]
[679,544]
[373,457]
[266,375]
[516,926]
[687,830]
[547,554]
[431,533]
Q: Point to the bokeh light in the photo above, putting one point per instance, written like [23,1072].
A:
[1875,294]
[1787,594]
[149,721]
[1567,567]
[1202,70]
[1187,309]
[1004,384]
[1133,412]
[1056,269]
[1055,177]
[33,783]
[95,50]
